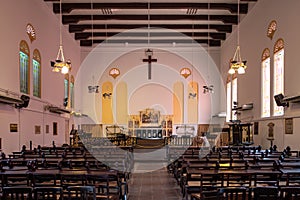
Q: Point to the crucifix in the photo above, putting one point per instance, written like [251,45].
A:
[149,60]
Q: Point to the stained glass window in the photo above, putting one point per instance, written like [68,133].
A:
[66,90]
[24,67]
[278,75]
[266,84]
[36,64]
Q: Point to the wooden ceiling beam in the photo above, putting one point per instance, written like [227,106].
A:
[231,7]
[224,28]
[73,19]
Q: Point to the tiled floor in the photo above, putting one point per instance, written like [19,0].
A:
[154,185]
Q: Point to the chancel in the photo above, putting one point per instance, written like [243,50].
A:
[108,129]
[149,60]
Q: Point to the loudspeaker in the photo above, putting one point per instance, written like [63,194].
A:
[278,99]
[25,103]
[66,101]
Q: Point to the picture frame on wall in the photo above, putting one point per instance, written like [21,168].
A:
[149,118]
[37,129]
[55,128]
[13,128]
[289,126]
[47,128]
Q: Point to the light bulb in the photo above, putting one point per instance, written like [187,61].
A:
[241,70]
[65,69]
[231,71]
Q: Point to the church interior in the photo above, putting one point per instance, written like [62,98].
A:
[152,99]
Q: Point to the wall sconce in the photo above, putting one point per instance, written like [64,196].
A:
[192,95]
[208,89]
[106,95]
[93,89]
[185,72]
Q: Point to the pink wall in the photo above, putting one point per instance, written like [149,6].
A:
[253,40]
[15,16]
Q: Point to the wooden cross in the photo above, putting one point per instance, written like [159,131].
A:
[149,60]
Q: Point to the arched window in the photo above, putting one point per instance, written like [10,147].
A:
[278,86]
[266,84]
[66,90]
[231,97]
[24,67]
[234,85]
[36,64]
[72,92]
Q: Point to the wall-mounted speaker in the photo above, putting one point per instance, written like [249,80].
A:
[66,101]
[279,100]
[25,103]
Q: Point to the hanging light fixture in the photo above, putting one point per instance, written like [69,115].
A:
[60,64]
[192,93]
[208,88]
[237,64]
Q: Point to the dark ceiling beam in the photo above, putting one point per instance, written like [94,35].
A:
[73,28]
[231,7]
[73,19]
[215,43]
[86,35]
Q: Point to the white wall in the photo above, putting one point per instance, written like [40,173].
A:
[253,40]
[15,15]
[165,72]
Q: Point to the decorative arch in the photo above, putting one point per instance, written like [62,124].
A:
[272,29]
[279,45]
[265,54]
[24,55]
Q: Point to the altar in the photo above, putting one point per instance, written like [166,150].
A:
[150,124]
[148,133]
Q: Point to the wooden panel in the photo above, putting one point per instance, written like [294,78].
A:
[95,129]
[178,94]
[107,106]
[193,103]
[121,103]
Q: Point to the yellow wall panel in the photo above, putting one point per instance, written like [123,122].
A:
[107,103]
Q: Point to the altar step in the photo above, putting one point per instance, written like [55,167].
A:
[149,143]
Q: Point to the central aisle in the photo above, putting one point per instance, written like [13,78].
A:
[153,185]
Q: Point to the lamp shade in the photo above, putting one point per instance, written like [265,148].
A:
[231,71]
[241,70]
